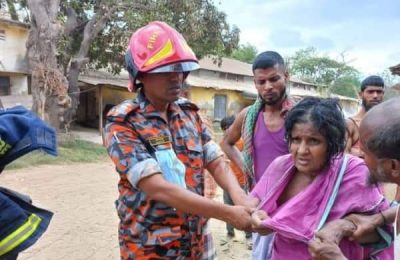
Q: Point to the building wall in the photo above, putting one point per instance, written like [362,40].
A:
[204,98]
[114,96]
[13,48]
[221,75]
[88,111]
[13,61]
[19,84]
[349,107]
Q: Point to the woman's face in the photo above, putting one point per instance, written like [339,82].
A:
[308,148]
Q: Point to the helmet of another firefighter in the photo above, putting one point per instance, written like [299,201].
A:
[158,48]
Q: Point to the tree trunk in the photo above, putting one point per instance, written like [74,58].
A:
[91,31]
[49,85]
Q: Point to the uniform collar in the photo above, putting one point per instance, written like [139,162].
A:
[150,111]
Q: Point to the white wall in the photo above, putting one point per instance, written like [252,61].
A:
[13,49]
[19,85]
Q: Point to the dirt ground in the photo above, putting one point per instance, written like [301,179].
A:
[85,223]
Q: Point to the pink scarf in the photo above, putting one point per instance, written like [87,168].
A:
[296,221]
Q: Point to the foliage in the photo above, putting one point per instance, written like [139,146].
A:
[77,151]
[203,26]
[346,86]
[245,52]
[95,33]
[389,79]
[16,8]
[337,76]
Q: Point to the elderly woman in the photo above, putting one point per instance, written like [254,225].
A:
[314,184]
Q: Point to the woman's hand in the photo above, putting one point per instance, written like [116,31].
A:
[257,218]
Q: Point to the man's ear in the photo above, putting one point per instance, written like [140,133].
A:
[287,76]
[395,169]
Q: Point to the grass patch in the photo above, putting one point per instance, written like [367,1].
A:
[77,151]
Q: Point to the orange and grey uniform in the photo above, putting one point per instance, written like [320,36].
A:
[150,229]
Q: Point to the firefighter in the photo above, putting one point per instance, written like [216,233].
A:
[21,223]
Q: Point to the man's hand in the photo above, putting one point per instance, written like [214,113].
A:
[240,217]
[335,230]
[324,250]
[257,218]
[365,225]
[246,201]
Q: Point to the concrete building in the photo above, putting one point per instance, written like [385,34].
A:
[218,89]
[14,70]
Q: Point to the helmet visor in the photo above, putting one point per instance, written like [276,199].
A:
[184,66]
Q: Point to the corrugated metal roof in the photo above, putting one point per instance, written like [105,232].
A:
[396,87]
[344,97]
[216,83]
[227,66]
[100,78]
[16,23]
[395,69]
[123,83]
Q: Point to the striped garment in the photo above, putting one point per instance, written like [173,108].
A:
[248,133]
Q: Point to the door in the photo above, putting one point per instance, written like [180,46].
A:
[220,102]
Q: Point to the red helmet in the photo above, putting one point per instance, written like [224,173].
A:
[157,48]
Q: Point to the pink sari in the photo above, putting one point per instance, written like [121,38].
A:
[296,221]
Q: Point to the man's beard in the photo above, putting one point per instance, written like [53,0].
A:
[376,178]
[281,96]
[367,106]
[372,180]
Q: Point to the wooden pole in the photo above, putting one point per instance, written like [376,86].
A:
[100,108]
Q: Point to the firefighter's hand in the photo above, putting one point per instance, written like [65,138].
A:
[240,217]
[257,218]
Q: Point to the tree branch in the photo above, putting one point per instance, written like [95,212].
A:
[12,10]
[72,23]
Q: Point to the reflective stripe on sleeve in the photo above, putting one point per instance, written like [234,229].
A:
[21,234]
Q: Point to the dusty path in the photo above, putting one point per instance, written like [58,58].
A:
[85,221]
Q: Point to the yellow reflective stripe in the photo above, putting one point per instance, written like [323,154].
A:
[20,235]
[165,52]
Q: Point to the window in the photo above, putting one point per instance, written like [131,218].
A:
[222,75]
[231,76]
[4,86]
[220,102]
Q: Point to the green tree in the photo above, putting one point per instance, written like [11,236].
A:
[94,34]
[337,76]
[346,86]
[245,52]
[389,79]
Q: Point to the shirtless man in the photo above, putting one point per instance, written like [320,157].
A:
[371,94]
